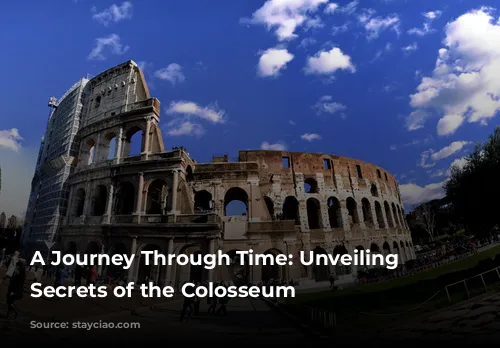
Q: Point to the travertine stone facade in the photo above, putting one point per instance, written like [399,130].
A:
[157,199]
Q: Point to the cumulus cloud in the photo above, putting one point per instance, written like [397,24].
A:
[285,16]
[114,13]
[111,44]
[443,153]
[274,147]
[413,194]
[348,9]
[328,62]
[374,26]
[172,73]
[464,84]
[427,26]
[410,48]
[188,115]
[272,61]
[310,136]
[325,104]
[10,139]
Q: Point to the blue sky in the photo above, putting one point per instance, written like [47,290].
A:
[407,84]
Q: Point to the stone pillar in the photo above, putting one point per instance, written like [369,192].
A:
[88,199]
[140,188]
[109,204]
[71,204]
[175,185]
[97,150]
[146,138]
[99,267]
[131,271]
[211,250]
[345,216]
[169,273]
[374,215]
[119,146]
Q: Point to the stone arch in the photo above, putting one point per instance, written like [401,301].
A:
[388,214]
[386,249]
[359,248]
[334,212]
[270,206]
[380,215]
[148,273]
[352,209]
[71,248]
[110,146]
[395,246]
[202,201]
[291,209]
[367,210]
[310,185]
[374,190]
[190,272]
[125,203]
[157,197]
[239,273]
[395,214]
[79,202]
[189,174]
[133,144]
[100,199]
[90,151]
[320,272]
[113,271]
[313,213]
[340,269]
[374,248]
[236,202]
[407,244]
[272,272]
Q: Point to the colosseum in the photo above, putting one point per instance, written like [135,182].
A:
[163,200]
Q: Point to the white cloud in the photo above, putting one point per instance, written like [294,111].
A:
[285,16]
[310,136]
[331,8]
[111,42]
[348,9]
[426,28]
[308,41]
[173,73]
[445,152]
[412,194]
[274,147]
[189,109]
[339,29]
[272,61]
[464,84]
[376,25]
[328,62]
[459,163]
[410,48]
[325,104]
[114,13]
[10,139]
[180,128]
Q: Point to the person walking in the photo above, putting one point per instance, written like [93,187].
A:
[15,290]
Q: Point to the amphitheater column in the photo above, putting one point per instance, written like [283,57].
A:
[140,189]
[345,216]
[109,204]
[133,251]
[175,187]
[119,145]
[211,250]
[145,140]
[88,199]
[168,274]
[99,267]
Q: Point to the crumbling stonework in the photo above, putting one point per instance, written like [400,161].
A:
[164,200]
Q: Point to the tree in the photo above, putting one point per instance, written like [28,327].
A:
[426,218]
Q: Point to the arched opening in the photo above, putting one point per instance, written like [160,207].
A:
[236,202]
[374,248]
[407,245]
[380,216]
[97,101]
[321,272]
[340,269]
[291,209]
[111,146]
[388,214]
[157,197]
[133,142]
[190,273]
[313,213]
[71,248]
[386,249]
[272,272]
[238,272]
[402,253]
[100,198]
[126,198]
[310,185]
[334,212]
[189,174]
[148,273]
[352,209]
[359,248]
[117,272]
[196,271]
[202,201]
[367,211]
[79,202]
[374,190]
[395,214]
[93,248]
[270,206]
[91,151]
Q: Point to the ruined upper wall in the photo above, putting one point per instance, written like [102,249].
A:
[110,92]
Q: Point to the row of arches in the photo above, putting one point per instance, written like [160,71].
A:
[108,148]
